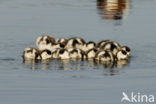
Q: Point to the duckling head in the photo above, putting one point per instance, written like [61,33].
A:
[76,54]
[91,53]
[122,55]
[31,53]
[63,54]
[90,45]
[127,49]
[73,53]
[45,42]
[71,43]
[46,54]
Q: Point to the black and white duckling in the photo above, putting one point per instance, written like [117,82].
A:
[122,55]
[31,53]
[127,49]
[63,54]
[76,53]
[114,47]
[75,43]
[104,56]
[46,54]
[89,45]
[45,42]
[91,53]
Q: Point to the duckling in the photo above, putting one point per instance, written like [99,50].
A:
[75,43]
[46,54]
[75,53]
[114,47]
[122,55]
[89,45]
[127,49]
[31,53]
[91,53]
[45,42]
[63,54]
[104,56]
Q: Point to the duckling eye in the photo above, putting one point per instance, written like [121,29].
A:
[47,40]
[95,50]
[48,52]
[62,45]
[124,52]
[127,49]
[61,51]
[106,54]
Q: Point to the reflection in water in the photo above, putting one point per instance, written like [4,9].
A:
[76,65]
[31,64]
[113,9]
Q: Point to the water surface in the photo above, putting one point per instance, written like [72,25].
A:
[130,22]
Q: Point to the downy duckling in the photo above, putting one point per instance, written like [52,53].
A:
[127,49]
[31,53]
[89,45]
[45,42]
[122,55]
[75,53]
[91,53]
[114,47]
[63,54]
[46,54]
[104,56]
[75,43]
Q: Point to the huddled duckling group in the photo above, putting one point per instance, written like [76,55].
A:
[76,48]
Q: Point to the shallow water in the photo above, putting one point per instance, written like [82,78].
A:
[22,21]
